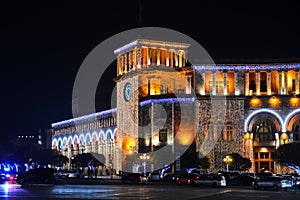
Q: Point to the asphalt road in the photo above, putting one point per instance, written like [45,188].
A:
[138,191]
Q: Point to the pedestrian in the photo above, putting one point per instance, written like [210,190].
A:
[88,172]
[96,172]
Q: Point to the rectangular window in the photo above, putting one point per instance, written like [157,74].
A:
[210,132]
[293,85]
[264,155]
[164,89]
[180,91]
[163,135]
[219,86]
[228,132]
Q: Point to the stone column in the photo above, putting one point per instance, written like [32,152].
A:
[247,83]
[134,59]
[148,59]
[180,59]
[125,62]
[139,58]
[183,58]
[285,82]
[257,82]
[130,60]
[202,84]
[280,82]
[236,89]
[225,82]
[297,81]
[176,59]
[172,64]
[167,58]
[214,92]
[188,84]
[158,57]
[269,83]
[119,65]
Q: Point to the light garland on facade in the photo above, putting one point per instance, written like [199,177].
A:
[287,119]
[168,100]
[155,43]
[260,111]
[83,118]
[253,67]
[84,138]
[125,47]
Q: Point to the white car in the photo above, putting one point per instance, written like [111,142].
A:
[272,182]
[214,180]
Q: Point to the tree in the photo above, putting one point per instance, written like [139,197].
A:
[190,158]
[288,155]
[204,163]
[49,156]
[239,162]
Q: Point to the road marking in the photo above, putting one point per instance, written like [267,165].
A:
[212,194]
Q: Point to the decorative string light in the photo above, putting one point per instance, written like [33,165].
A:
[168,100]
[83,118]
[275,66]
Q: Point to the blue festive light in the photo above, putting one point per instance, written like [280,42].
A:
[260,111]
[83,118]
[233,67]
[167,100]
[287,119]
[125,47]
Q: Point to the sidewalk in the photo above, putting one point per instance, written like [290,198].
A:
[106,177]
[89,181]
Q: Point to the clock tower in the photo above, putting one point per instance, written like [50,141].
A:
[144,73]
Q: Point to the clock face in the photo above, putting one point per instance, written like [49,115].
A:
[127,91]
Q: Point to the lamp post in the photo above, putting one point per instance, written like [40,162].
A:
[144,157]
[227,160]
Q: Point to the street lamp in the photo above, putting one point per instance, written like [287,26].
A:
[227,160]
[144,157]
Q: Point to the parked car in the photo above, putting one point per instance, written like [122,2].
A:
[272,182]
[184,178]
[242,179]
[133,177]
[265,174]
[169,177]
[290,178]
[214,180]
[228,175]
[38,175]
[8,176]
[297,184]
[154,176]
[253,174]
[72,173]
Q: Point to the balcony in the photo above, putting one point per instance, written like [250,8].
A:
[270,143]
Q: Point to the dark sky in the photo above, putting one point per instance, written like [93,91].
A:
[43,44]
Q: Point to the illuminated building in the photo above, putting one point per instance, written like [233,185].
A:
[260,104]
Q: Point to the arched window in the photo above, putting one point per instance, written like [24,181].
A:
[264,132]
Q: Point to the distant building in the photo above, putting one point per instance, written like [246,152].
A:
[42,138]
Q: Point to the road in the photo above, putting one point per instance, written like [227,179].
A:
[139,191]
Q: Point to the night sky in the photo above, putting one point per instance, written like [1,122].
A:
[44,43]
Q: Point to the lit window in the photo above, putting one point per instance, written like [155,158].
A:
[228,132]
[219,86]
[164,89]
